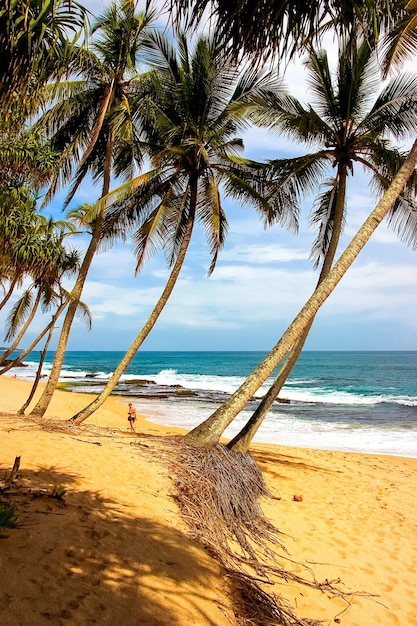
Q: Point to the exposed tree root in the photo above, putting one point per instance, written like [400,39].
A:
[218,494]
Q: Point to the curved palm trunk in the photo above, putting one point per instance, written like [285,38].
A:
[241,442]
[42,405]
[23,408]
[124,363]
[22,331]
[35,341]
[209,432]
[46,397]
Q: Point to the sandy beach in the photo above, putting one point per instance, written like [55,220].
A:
[116,551]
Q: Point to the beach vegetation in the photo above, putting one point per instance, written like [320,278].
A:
[53,262]
[8,518]
[192,103]
[36,37]
[264,29]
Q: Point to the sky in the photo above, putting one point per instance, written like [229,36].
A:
[262,279]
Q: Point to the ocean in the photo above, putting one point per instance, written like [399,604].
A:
[352,401]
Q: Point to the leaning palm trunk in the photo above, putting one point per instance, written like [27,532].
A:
[124,363]
[241,442]
[209,432]
[25,405]
[46,397]
[35,342]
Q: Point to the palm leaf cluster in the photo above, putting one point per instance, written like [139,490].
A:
[34,45]
[262,28]
[347,124]
[189,108]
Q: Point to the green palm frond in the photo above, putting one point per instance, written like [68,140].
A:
[84,314]
[321,85]
[358,79]
[400,43]
[402,219]
[211,215]
[394,111]
[18,314]
[155,231]
[323,217]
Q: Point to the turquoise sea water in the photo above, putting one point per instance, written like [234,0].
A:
[363,401]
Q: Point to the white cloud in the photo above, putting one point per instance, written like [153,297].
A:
[264,254]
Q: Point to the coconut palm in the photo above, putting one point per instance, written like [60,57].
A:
[23,250]
[349,136]
[91,127]
[208,432]
[191,106]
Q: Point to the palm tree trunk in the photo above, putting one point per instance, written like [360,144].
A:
[51,325]
[241,442]
[42,405]
[124,363]
[209,432]
[35,341]
[22,331]
[46,397]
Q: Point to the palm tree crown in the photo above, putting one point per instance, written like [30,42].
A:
[347,129]
[90,124]
[189,109]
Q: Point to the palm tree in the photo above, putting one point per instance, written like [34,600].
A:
[191,106]
[92,118]
[350,136]
[208,432]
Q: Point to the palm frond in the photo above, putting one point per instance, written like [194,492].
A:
[394,110]
[400,43]
[152,234]
[323,217]
[18,314]
[84,314]
[213,218]
[402,219]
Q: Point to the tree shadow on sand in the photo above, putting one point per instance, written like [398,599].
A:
[86,562]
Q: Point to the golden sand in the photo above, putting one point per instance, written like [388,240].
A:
[117,551]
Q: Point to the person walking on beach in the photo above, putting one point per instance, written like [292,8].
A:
[131,416]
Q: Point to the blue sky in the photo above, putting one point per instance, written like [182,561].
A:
[262,279]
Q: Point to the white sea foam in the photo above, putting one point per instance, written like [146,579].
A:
[287,430]
[228,384]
